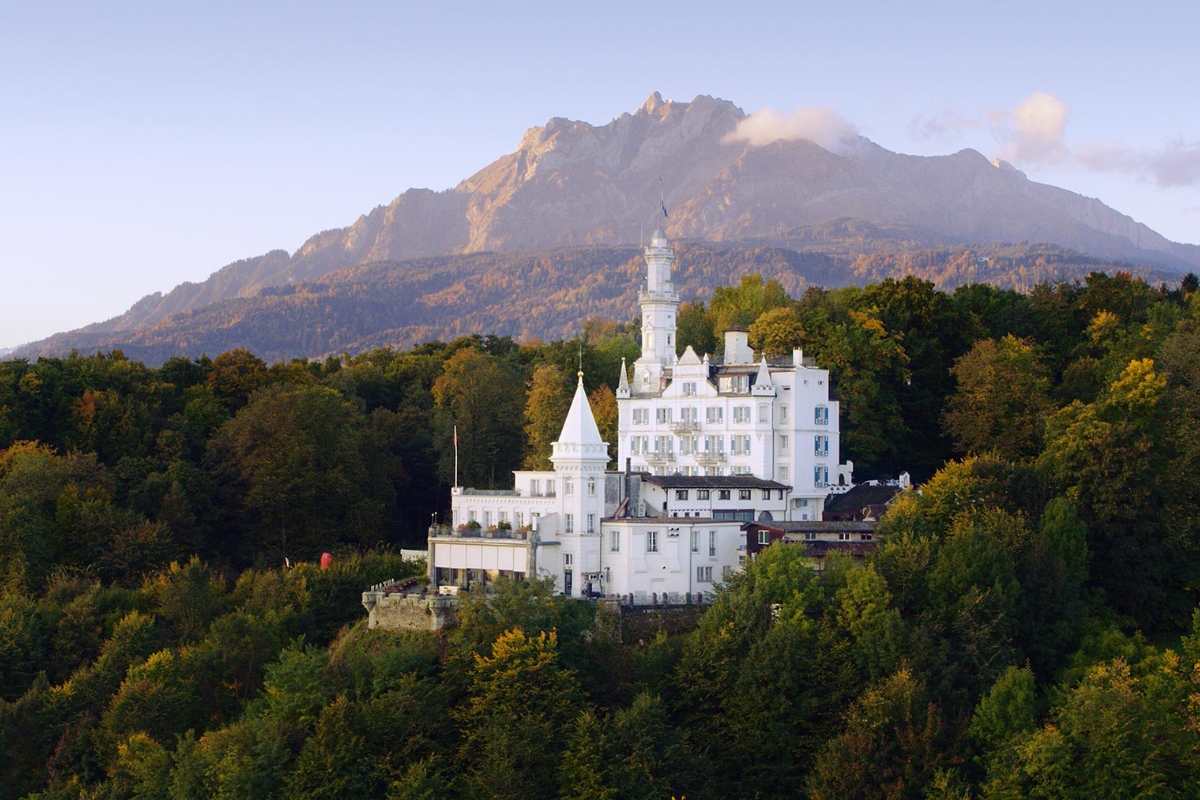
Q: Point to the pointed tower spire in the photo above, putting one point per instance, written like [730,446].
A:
[623,384]
[762,382]
[580,434]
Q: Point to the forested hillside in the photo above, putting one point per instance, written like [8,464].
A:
[544,295]
[1029,627]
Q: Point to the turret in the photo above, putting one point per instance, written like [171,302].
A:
[659,302]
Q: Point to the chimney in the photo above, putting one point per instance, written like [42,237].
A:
[628,486]
[737,346]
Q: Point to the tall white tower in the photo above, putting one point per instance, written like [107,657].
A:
[580,458]
[659,303]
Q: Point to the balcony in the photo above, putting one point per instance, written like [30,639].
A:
[660,457]
[710,457]
[685,426]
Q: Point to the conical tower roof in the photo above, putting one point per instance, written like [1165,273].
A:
[580,427]
[580,437]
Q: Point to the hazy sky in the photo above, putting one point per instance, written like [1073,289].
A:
[146,144]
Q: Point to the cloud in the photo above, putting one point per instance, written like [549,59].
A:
[824,126]
[1035,133]
[1175,164]
[944,124]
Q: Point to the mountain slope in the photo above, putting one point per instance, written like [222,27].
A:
[548,294]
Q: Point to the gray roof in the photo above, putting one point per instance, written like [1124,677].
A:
[817,526]
[860,497]
[711,482]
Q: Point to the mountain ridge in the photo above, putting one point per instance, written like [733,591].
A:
[570,183]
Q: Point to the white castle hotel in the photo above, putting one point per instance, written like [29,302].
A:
[707,443]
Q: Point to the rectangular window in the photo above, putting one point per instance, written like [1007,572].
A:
[688,414]
[783,413]
[820,445]
[766,494]
[681,494]
[820,477]
[821,415]
[743,494]
[568,560]
[689,389]
[651,541]
[591,523]
[764,537]
[723,494]
[504,516]
[520,519]
[695,541]
[487,519]
[568,487]
[712,543]
[591,487]
[570,523]
[704,574]
[784,473]
[471,515]
[702,494]
[614,541]
[641,416]
[741,414]
[549,488]
[783,444]
[763,414]
[714,414]
[809,536]
[663,415]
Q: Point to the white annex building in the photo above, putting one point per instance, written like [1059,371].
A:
[709,444]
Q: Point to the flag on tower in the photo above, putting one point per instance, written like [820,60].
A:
[662,202]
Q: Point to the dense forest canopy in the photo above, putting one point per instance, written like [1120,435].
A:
[1029,627]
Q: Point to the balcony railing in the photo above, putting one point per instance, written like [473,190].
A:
[710,456]
[660,457]
[685,426]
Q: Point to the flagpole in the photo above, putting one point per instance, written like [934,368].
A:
[456,454]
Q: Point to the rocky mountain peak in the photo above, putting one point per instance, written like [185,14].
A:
[652,103]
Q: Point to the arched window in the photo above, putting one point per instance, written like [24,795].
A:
[591,487]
